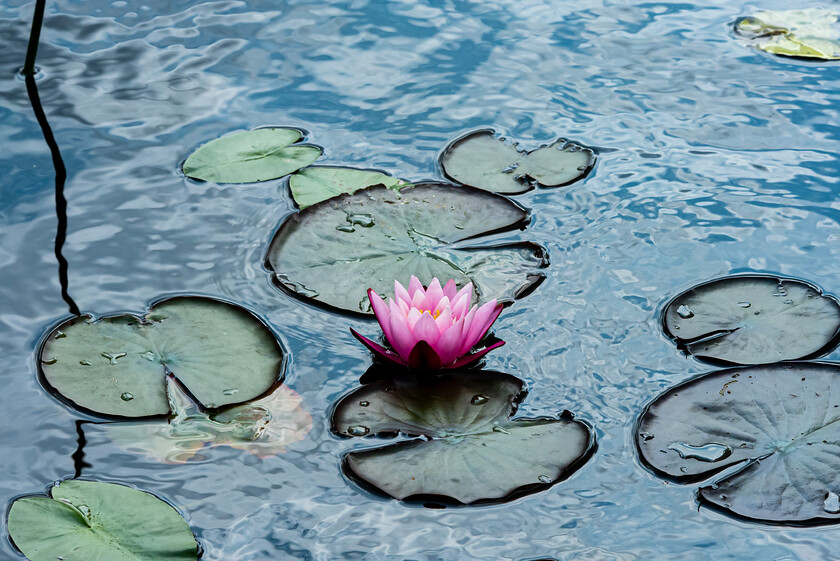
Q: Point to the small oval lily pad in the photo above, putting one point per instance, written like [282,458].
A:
[470,451]
[319,183]
[332,252]
[777,427]
[251,156]
[483,160]
[811,33]
[753,320]
[118,365]
[93,521]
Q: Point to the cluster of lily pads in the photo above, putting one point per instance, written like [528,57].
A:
[195,372]
[766,429]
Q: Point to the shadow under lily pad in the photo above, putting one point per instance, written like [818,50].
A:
[469,450]
[332,252]
[776,426]
[753,319]
[93,520]
[117,365]
[481,159]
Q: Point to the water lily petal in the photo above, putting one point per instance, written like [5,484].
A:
[415,286]
[484,318]
[402,339]
[423,357]
[444,320]
[401,293]
[468,320]
[413,317]
[426,329]
[450,289]
[377,349]
[433,295]
[418,300]
[380,310]
[472,357]
[442,305]
[450,343]
[397,308]
[462,300]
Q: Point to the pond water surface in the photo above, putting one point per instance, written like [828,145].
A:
[712,159]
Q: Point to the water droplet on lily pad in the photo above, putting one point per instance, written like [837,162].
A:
[832,503]
[364,404]
[357,430]
[479,399]
[744,304]
[704,453]
[126,396]
[544,479]
[50,360]
[685,312]
[231,391]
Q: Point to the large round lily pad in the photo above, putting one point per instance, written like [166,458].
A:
[780,424]
[480,159]
[319,183]
[251,156]
[470,451]
[92,521]
[811,33]
[332,252]
[753,320]
[118,365]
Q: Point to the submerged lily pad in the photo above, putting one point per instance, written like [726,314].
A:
[753,320]
[470,450]
[809,33]
[319,183]
[92,521]
[779,423]
[118,365]
[333,251]
[482,160]
[251,156]
[263,427]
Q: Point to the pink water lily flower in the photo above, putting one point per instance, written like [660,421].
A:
[431,328]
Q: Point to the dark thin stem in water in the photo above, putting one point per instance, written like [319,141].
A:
[58,163]
[78,456]
[34,37]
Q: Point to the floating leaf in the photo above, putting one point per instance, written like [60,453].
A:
[470,450]
[779,423]
[117,365]
[809,33]
[319,183]
[753,320]
[333,251]
[263,427]
[482,160]
[251,156]
[92,521]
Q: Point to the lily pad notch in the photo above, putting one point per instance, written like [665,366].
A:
[770,434]
[251,156]
[467,450]
[753,319]
[485,160]
[332,252]
[116,366]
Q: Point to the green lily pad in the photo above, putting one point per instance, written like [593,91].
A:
[753,320]
[319,183]
[251,156]
[809,33]
[332,252]
[470,450]
[777,427]
[118,365]
[92,521]
[482,160]
[264,427]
